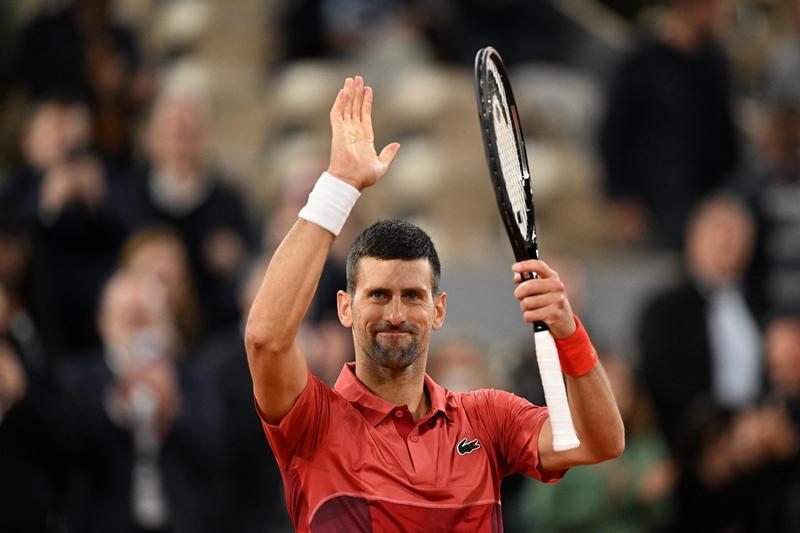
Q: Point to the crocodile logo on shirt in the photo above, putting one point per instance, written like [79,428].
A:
[464,447]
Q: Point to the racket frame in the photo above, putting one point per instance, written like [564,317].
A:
[524,246]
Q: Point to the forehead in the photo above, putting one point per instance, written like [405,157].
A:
[393,273]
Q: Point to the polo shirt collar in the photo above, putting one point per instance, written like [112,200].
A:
[373,407]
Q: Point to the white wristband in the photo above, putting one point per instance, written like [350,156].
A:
[329,203]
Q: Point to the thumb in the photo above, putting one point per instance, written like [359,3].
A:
[388,154]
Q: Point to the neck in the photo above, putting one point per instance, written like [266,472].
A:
[712,278]
[401,387]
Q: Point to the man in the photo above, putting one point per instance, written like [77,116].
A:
[179,186]
[148,428]
[70,203]
[716,359]
[388,449]
[668,136]
[702,362]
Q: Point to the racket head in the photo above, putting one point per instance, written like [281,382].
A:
[506,157]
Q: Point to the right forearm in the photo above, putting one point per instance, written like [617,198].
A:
[288,287]
[276,362]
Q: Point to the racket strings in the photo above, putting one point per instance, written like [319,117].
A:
[508,149]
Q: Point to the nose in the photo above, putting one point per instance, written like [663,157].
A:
[394,313]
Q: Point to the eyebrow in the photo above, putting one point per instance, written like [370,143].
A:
[419,289]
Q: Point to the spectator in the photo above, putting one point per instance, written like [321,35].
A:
[717,355]
[36,450]
[159,251]
[458,364]
[774,192]
[782,71]
[253,487]
[701,357]
[79,49]
[668,137]
[769,436]
[69,202]
[336,28]
[628,495]
[179,187]
[16,264]
[149,427]
[743,471]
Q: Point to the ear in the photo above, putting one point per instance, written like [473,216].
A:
[343,307]
[439,309]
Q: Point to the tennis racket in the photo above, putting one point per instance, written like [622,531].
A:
[511,179]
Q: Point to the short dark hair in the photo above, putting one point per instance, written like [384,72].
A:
[393,239]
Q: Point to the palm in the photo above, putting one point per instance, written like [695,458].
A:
[353,155]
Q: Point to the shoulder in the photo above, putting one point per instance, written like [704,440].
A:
[493,403]
[676,296]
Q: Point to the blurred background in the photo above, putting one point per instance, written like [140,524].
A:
[154,152]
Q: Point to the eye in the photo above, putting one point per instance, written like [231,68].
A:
[377,294]
[412,295]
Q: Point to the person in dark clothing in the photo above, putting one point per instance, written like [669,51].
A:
[668,136]
[35,444]
[178,186]
[79,49]
[773,190]
[701,361]
[148,424]
[774,428]
[709,308]
[72,208]
[253,490]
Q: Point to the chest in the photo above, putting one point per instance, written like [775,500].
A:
[439,460]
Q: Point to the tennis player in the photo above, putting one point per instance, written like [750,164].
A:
[387,449]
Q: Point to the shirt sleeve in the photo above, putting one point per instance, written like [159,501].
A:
[300,433]
[517,424]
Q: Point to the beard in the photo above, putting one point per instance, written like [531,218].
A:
[394,355]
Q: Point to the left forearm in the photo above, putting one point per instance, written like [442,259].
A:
[594,411]
[595,415]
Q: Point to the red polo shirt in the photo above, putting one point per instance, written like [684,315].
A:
[353,462]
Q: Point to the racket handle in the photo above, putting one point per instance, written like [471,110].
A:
[555,393]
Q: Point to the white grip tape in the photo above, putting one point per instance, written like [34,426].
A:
[330,203]
[555,393]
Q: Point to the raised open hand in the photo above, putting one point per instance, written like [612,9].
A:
[353,155]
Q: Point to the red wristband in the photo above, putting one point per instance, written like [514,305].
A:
[576,353]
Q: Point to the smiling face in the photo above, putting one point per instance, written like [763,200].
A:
[392,310]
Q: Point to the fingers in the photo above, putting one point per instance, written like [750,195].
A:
[366,108]
[353,102]
[535,265]
[388,154]
[358,98]
[530,303]
[543,299]
[337,111]
[551,315]
[533,287]
[348,102]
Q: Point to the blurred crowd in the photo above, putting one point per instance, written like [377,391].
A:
[154,153]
